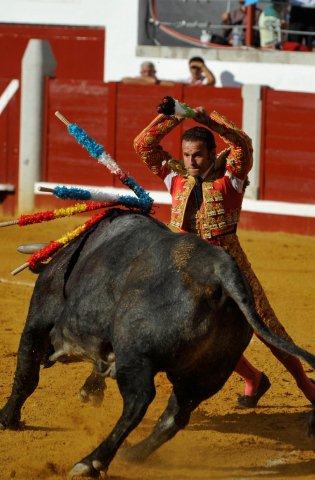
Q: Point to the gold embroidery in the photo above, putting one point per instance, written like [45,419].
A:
[147,146]
[176,167]
[211,219]
[180,202]
[240,159]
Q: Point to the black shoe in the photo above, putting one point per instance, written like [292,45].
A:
[246,401]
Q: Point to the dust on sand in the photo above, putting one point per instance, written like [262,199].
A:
[221,441]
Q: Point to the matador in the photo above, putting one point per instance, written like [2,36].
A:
[207,191]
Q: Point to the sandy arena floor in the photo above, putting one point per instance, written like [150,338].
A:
[221,442]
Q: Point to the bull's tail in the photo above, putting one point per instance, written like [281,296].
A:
[235,286]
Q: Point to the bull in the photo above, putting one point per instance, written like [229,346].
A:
[133,291]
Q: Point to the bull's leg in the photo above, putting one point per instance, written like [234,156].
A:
[136,385]
[33,345]
[93,389]
[187,394]
[174,418]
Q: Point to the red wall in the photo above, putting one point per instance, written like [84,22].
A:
[288,146]
[85,103]
[79,50]
[114,114]
[9,145]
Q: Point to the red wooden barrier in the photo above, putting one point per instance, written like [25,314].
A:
[79,50]
[9,147]
[85,103]
[288,149]
[114,114]
[136,107]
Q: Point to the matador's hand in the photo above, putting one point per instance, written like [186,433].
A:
[201,116]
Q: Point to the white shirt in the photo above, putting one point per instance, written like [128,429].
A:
[236,183]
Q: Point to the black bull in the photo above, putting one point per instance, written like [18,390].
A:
[161,302]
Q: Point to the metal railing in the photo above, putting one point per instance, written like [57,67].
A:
[207,29]
[211,26]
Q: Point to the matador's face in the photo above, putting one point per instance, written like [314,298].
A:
[197,157]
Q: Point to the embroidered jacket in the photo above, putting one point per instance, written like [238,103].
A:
[222,197]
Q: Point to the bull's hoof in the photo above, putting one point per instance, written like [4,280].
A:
[246,401]
[13,426]
[9,422]
[83,470]
[95,398]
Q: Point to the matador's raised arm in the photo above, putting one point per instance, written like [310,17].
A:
[147,146]
[240,159]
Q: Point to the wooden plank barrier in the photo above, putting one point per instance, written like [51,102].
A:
[114,113]
[288,147]
[9,144]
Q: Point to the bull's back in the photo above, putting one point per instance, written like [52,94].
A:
[134,279]
[104,272]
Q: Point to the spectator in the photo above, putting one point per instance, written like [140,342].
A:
[147,76]
[302,17]
[234,17]
[199,73]
[270,25]
[238,17]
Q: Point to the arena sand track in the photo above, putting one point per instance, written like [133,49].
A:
[221,441]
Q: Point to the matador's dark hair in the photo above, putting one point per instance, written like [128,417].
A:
[200,134]
[196,59]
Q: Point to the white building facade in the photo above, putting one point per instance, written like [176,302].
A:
[290,71]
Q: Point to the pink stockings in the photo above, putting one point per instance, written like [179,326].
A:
[253,378]
[250,374]
[293,365]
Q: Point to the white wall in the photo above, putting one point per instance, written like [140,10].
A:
[120,18]
[278,76]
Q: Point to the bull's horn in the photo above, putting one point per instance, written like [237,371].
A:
[9,222]
[31,247]
[20,269]
[111,357]
[57,355]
